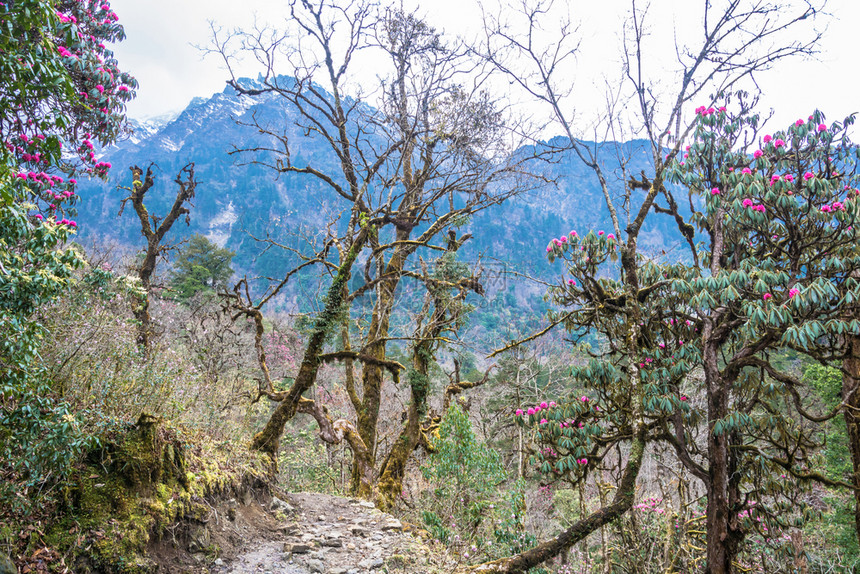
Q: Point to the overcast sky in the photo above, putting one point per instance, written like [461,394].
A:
[161,37]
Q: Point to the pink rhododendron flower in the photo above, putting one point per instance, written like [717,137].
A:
[799,123]
[571,281]
[600,233]
[825,208]
[747,202]
[552,403]
[838,205]
[543,405]
[715,191]
[610,236]
[792,292]
[766,296]
[758,153]
[789,178]
[808,175]
[548,248]
[822,128]
[543,421]
[768,138]
[746,171]
[519,412]
[683,397]
[584,399]
[779,143]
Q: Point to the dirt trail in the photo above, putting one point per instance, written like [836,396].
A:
[317,533]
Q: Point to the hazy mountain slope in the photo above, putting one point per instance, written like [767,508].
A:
[235,197]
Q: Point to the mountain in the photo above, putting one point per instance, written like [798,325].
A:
[236,197]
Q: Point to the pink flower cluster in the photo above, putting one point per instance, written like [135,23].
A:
[66,19]
[41,177]
[836,206]
[571,424]
[536,409]
[703,111]
[650,505]
[749,204]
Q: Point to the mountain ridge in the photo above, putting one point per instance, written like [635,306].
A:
[237,198]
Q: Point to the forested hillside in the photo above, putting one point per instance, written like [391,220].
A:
[310,326]
[240,200]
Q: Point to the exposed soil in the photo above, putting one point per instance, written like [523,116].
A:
[231,527]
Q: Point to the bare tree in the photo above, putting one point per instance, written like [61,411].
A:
[412,168]
[154,228]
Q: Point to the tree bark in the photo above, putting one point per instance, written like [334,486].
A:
[851,397]
[373,374]
[393,469]
[268,439]
[723,532]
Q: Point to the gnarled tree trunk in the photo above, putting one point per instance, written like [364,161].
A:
[851,396]
[268,439]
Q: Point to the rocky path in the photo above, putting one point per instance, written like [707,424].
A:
[330,535]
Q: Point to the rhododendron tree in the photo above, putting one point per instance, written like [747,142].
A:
[628,301]
[60,91]
[774,277]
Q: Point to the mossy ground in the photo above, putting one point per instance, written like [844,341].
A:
[142,481]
